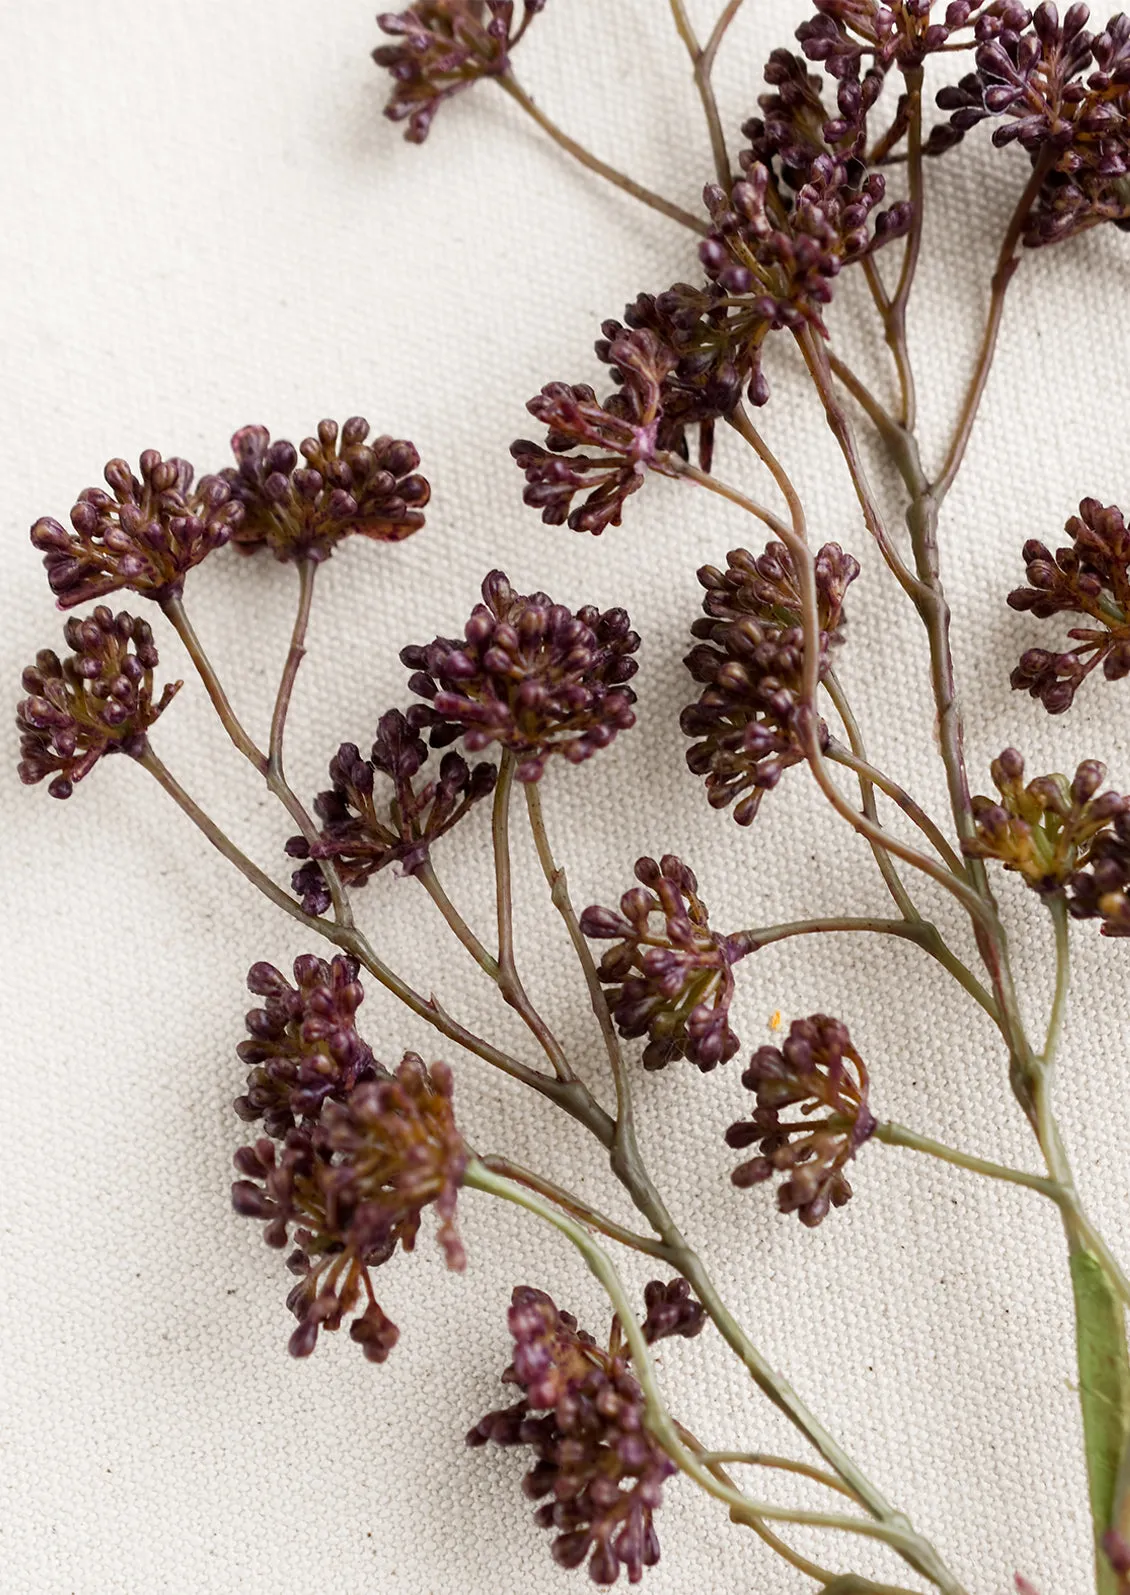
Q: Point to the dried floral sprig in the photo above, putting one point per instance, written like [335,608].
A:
[352,1182]
[303,1045]
[98,700]
[816,1069]
[750,662]
[529,675]
[625,428]
[671,980]
[1090,577]
[144,535]
[1041,830]
[597,1471]
[348,483]
[445,46]
[363,834]
[1065,95]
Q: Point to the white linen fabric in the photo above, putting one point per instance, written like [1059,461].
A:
[207,222]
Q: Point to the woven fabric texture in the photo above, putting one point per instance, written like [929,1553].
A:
[207,222]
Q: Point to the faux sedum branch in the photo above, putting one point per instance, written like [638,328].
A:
[348,1151]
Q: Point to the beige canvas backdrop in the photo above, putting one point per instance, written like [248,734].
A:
[206,222]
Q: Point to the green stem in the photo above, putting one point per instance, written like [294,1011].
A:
[892,1530]
[576,1208]
[665,207]
[764,1459]
[913,810]
[898,1135]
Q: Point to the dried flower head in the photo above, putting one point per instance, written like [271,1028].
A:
[1091,578]
[99,700]
[445,46]
[1041,830]
[748,721]
[816,1069]
[887,32]
[807,206]
[1065,96]
[302,1044]
[670,977]
[625,428]
[363,832]
[145,535]
[1100,888]
[353,1182]
[671,1311]
[347,484]
[530,675]
[597,1471]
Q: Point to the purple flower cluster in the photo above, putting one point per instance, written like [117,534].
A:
[529,675]
[444,46]
[1042,829]
[1100,888]
[351,1181]
[624,428]
[597,1473]
[670,977]
[362,833]
[887,31]
[145,535]
[302,1045]
[747,722]
[816,1069]
[1092,578]
[98,700]
[347,483]
[1064,95]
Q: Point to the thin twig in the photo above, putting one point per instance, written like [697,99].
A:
[763,1459]
[914,811]
[178,617]
[701,66]
[509,980]
[429,880]
[576,1208]
[665,207]
[899,1135]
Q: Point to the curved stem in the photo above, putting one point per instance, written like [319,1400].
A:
[1007,262]
[1062,926]
[177,615]
[277,782]
[851,761]
[892,1529]
[898,1135]
[701,67]
[883,859]
[763,1459]
[509,980]
[895,318]
[429,880]
[920,931]
[665,207]
[559,894]
[576,1208]
[223,843]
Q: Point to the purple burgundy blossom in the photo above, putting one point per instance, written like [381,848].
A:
[348,482]
[624,430]
[1042,830]
[98,700]
[529,675]
[817,1069]
[444,46]
[143,535]
[1100,888]
[302,1044]
[886,31]
[748,721]
[366,826]
[1063,94]
[597,1471]
[671,1310]
[807,206]
[1091,578]
[352,1184]
[670,977]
